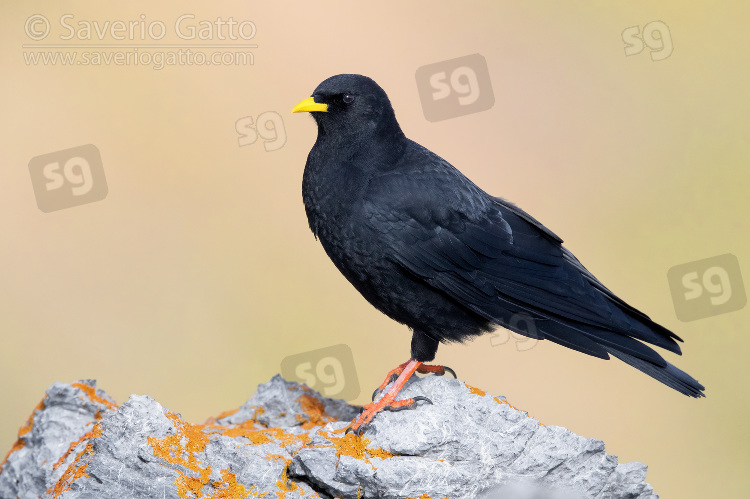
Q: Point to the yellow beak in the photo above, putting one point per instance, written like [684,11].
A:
[309,105]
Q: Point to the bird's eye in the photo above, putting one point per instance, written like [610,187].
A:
[348,98]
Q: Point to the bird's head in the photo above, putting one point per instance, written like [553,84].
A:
[350,105]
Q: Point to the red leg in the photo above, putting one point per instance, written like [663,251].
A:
[388,400]
[392,375]
[423,369]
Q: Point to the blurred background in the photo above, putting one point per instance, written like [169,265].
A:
[193,275]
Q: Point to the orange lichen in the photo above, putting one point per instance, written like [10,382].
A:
[286,439]
[285,485]
[76,443]
[90,392]
[26,428]
[16,446]
[356,446]
[476,391]
[314,410]
[77,468]
[255,493]
[30,422]
[181,449]
[228,488]
[260,410]
[503,401]
[258,436]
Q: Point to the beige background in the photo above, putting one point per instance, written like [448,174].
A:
[197,274]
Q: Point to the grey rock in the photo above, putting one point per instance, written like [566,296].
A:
[288,441]
[58,426]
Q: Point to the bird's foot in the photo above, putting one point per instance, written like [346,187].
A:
[422,369]
[388,401]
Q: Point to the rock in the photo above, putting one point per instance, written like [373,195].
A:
[288,441]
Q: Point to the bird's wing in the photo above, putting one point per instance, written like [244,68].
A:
[492,257]
[572,260]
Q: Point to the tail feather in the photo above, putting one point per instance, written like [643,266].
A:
[600,343]
[669,374]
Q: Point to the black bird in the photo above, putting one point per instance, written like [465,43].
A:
[431,250]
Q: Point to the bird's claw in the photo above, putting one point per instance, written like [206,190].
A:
[356,431]
[419,398]
[377,392]
[397,377]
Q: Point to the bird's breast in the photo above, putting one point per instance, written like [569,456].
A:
[336,217]
[332,191]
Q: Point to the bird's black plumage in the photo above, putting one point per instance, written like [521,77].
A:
[431,250]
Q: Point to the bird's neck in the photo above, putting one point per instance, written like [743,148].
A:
[338,171]
[378,148]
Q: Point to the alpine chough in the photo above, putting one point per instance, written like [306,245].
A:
[431,250]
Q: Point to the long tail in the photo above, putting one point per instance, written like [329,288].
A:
[667,374]
[601,343]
